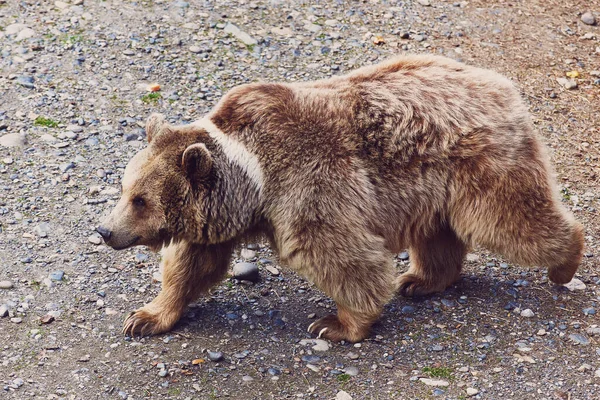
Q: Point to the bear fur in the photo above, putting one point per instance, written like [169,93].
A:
[419,152]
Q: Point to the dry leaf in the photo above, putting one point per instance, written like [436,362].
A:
[198,361]
[155,87]
[573,74]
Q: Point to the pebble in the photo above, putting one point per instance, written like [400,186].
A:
[579,339]
[215,356]
[13,140]
[6,285]
[95,239]
[588,18]
[16,320]
[311,359]
[527,313]
[318,344]
[403,256]
[597,373]
[272,270]
[575,284]
[342,395]
[472,392]
[352,371]
[434,382]
[568,84]
[195,49]
[589,311]
[163,373]
[239,34]
[3,310]
[26,81]
[247,254]
[408,310]
[247,378]
[437,347]
[56,275]
[424,2]
[246,271]
[26,33]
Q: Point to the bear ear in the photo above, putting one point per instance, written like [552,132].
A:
[154,124]
[197,161]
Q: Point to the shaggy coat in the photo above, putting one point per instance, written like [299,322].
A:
[418,152]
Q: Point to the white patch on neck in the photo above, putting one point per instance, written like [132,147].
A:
[235,151]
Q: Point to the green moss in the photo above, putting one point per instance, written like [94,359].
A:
[438,372]
[151,97]
[47,122]
[343,378]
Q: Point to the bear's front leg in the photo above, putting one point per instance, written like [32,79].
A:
[188,271]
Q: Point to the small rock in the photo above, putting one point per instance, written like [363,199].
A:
[567,83]
[26,81]
[575,284]
[352,371]
[437,347]
[311,359]
[579,339]
[129,52]
[162,373]
[13,140]
[95,239]
[584,368]
[25,34]
[246,272]
[593,330]
[56,275]
[589,311]
[319,344]
[215,356]
[425,3]
[14,28]
[3,310]
[588,18]
[272,270]
[16,320]
[403,256]
[341,395]
[195,49]
[6,285]
[408,310]
[46,319]
[472,392]
[247,378]
[247,254]
[527,313]
[18,382]
[434,382]
[240,34]
[313,368]
[597,373]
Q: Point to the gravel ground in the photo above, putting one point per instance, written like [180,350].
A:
[74,95]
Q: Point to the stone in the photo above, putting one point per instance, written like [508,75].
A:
[593,330]
[588,18]
[527,313]
[272,270]
[574,285]
[6,285]
[597,373]
[352,371]
[61,4]
[13,140]
[95,239]
[341,395]
[240,34]
[26,33]
[215,356]
[195,49]
[42,229]
[434,382]
[310,359]
[247,254]
[319,344]
[14,28]
[589,311]
[247,378]
[3,310]
[408,310]
[16,320]
[246,272]
[472,392]
[437,347]
[579,339]
[403,256]
[56,275]
[425,3]
[568,84]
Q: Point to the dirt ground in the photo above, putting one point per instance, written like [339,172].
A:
[73,101]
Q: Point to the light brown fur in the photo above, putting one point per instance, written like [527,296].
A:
[419,152]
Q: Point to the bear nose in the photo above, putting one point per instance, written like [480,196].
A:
[105,233]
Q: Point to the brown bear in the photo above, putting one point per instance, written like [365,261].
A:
[419,152]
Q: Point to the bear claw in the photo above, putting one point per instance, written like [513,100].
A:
[143,323]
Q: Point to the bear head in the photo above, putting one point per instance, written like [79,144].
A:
[161,185]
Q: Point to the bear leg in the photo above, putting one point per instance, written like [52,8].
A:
[188,271]
[435,264]
[352,326]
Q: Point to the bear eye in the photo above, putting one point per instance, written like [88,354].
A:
[138,201]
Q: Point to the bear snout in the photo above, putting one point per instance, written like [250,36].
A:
[105,233]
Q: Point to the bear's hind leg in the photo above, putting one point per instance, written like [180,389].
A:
[435,264]
[188,271]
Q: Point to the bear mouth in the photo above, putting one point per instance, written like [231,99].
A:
[125,246]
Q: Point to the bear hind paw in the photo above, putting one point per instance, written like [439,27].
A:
[141,322]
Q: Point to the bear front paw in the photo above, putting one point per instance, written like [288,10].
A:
[331,328]
[142,322]
[411,285]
